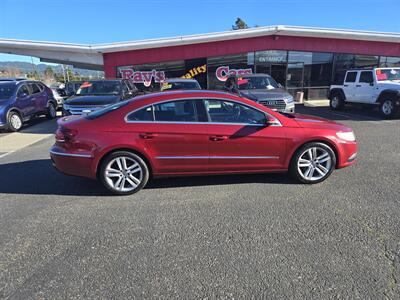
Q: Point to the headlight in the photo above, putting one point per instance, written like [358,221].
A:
[289,99]
[346,136]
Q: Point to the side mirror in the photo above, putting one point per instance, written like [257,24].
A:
[270,121]
[280,86]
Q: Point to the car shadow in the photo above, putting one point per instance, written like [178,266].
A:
[350,113]
[43,179]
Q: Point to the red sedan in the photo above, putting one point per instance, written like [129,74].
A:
[196,133]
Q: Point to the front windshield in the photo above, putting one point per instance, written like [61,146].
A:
[388,74]
[99,88]
[7,90]
[188,85]
[255,83]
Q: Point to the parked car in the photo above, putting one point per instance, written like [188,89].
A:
[183,133]
[58,98]
[70,88]
[96,94]
[261,88]
[180,84]
[24,100]
[374,87]
[12,78]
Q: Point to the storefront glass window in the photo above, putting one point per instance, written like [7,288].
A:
[342,63]
[220,67]
[272,62]
[387,61]
[365,61]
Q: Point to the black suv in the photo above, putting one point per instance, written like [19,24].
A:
[96,94]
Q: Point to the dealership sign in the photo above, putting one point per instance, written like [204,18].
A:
[144,77]
[222,73]
[195,71]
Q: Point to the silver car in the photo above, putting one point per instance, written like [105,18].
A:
[263,89]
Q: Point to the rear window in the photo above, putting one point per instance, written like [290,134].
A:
[35,88]
[103,111]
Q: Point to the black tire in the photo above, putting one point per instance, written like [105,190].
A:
[14,121]
[51,111]
[110,184]
[337,101]
[297,172]
[388,108]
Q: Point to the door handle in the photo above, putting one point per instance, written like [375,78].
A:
[358,85]
[345,85]
[148,135]
[33,99]
[216,138]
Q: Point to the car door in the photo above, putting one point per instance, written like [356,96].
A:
[174,136]
[240,140]
[36,98]
[350,85]
[24,102]
[364,90]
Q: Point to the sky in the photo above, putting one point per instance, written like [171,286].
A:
[105,21]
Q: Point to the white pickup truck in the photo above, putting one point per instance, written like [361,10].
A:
[378,87]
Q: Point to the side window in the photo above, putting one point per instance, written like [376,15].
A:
[23,90]
[366,76]
[144,114]
[176,111]
[221,111]
[351,77]
[34,88]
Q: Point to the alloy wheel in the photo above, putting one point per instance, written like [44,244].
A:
[314,163]
[387,107]
[16,121]
[335,102]
[123,174]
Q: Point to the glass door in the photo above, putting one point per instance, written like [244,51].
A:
[278,72]
[295,75]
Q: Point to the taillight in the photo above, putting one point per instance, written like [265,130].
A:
[64,134]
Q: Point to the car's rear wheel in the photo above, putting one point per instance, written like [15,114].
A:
[388,108]
[123,173]
[51,111]
[14,121]
[336,102]
[313,163]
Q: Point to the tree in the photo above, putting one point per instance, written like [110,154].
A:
[48,74]
[239,24]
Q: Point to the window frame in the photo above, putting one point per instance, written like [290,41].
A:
[232,123]
[355,78]
[20,87]
[277,122]
[31,84]
[372,77]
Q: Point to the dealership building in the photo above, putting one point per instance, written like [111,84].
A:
[300,58]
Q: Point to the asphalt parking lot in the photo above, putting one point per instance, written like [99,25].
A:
[244,236]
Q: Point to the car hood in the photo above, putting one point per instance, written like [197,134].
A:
[307,121]
[264,94]
[394,85]
[92,100]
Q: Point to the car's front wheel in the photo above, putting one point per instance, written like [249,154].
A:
[313,163]
[123,173]
[336,102]
[14,121]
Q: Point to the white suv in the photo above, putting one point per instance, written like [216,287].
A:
[378,86]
